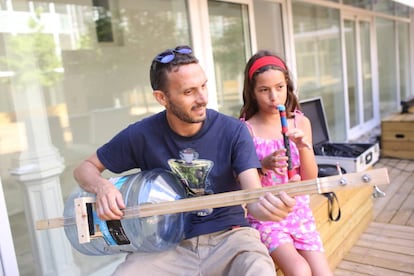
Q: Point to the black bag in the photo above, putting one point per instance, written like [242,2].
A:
[329,170]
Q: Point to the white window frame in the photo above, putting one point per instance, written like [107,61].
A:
[288,39]
[360,129]
[202,44]
[8,262]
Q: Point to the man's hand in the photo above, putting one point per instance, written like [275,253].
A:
[268,207]
[109,202]
[271,207]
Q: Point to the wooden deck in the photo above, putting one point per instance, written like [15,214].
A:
[386,247]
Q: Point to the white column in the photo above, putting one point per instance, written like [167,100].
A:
[37,170]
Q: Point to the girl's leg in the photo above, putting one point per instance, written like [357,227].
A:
[317,262]
[288,259]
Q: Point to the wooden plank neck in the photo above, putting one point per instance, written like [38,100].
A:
[314,186]
[307,187]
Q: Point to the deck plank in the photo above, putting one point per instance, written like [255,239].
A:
[381,258]
[395,245]
[390,190]
[386,247]
[410,221]
[389,210]
[346,268]
[405,211]
[391,230]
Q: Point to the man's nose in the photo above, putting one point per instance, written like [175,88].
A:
[202,96]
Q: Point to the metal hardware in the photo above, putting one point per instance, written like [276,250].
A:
[366,178]
[342,181]
[377,193]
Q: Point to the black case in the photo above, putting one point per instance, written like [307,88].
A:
[352,157]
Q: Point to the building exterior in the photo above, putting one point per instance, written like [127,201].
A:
[74,72]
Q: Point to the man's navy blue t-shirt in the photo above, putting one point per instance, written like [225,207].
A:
[150,143]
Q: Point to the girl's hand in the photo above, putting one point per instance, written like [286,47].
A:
[298,137]
[276,161]
[295,178]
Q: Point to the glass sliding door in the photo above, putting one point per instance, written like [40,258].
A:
[230,36]
[366,72]
[317,39]
[359,75]
[404,60]
[270,28]
[351,70]
[80,68]
[387,66]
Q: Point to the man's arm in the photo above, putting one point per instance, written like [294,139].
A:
[268,207]
[109,200]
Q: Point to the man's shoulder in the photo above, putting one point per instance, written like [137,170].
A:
[151,118]
[145,126]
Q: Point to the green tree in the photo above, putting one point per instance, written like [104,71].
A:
[32,57]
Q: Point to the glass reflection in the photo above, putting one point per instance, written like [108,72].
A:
[89,62]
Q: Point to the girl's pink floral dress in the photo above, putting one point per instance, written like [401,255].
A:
[299,226]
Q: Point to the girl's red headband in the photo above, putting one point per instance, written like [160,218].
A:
[265,61]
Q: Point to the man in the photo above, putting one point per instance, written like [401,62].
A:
[217,243]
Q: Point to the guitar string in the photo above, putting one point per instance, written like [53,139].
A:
[134,211]
[245,196]
[174,207]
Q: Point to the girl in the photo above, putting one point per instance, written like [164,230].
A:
[293,243]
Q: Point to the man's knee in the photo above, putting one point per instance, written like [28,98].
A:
[252,263]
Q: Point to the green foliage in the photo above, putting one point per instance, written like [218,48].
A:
[32,57]
[230,50]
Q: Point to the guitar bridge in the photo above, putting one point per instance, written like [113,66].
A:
[84,219]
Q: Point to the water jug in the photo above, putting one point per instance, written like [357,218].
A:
[148,234]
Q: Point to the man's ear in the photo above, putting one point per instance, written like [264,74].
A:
[160,97]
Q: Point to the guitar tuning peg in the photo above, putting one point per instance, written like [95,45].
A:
[338,168]
[377,193]
[342,181]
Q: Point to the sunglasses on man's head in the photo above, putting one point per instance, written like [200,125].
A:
[169,55]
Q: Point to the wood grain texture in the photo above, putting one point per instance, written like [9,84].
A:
[386,247]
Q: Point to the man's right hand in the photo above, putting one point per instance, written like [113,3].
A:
[109,202]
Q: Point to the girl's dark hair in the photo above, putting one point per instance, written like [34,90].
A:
[159,69]
[250,106]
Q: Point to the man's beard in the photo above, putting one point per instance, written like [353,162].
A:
[183,116]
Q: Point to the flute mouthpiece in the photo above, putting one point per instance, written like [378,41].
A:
[281,107]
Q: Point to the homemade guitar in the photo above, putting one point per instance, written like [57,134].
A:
[157,204]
